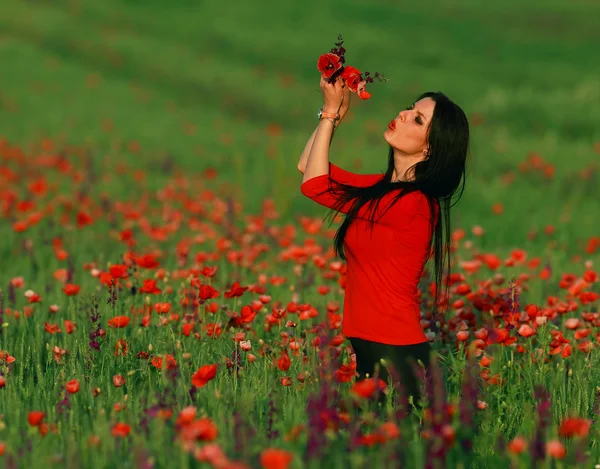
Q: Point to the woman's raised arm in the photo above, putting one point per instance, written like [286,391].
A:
[304,156]
[343,110]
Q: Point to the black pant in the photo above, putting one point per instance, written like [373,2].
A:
[369,353]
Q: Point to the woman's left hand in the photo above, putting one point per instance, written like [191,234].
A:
[333,94]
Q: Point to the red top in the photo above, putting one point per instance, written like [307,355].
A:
[381,301]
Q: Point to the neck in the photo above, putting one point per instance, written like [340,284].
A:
[401,164]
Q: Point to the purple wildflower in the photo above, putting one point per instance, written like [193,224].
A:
[436,396]
[468,402]
[271,412]
[112,294]
[131,272]
[63,406]
[400,395]
[143,459]
[596,409]
[1,311]
[549,267]
[168,163]
[236,360]
[581,458]
[500,445]
[144,421]
[12,295]
[339,50]
[513,297]
[320,407]
[26,446]
[243,434]
[538,448]
[320,415]
[70,269]
[95,324]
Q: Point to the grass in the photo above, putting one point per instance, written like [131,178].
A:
[144,98]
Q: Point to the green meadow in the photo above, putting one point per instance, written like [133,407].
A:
[193,115]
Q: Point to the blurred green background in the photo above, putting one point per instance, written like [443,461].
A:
[234,86]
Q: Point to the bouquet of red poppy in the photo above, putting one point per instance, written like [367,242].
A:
[331,65]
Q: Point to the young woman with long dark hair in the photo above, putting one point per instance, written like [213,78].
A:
[425,177]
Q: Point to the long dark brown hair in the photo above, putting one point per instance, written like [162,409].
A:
[440,177]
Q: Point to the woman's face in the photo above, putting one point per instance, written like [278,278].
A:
[407,133]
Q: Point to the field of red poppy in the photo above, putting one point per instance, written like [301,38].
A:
[168,298]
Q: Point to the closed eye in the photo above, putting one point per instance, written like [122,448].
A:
[418,119]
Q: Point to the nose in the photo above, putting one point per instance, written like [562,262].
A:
[403,115]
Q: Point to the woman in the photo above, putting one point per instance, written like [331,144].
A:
[428,145]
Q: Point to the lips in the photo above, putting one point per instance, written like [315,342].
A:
[392,125]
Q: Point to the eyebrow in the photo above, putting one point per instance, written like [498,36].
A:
[418,112]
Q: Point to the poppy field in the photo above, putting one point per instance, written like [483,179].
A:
[169,299]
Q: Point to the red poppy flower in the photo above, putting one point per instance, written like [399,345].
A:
[574,426]
[186,416]
[273,458]
[390,430]
[209,271]
[20,226]
[517,445]
[71,289]
[34,298]
[118,381]
[72,386]
[157,362]
[366,387]
[236,290]
[345,373]
[35,417]
[147,261]
[353,77]
[204,374]
[286,381]
[207,292]
[213,329]
[120,429]
[69,326]
[162,308]
[247,314]
[105,278]
[284,361]
[328,64]
[199,430]
[118,271]
[83,219]
[150,287]
[556,449]
[121,348]
[118,321]
[51,328]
